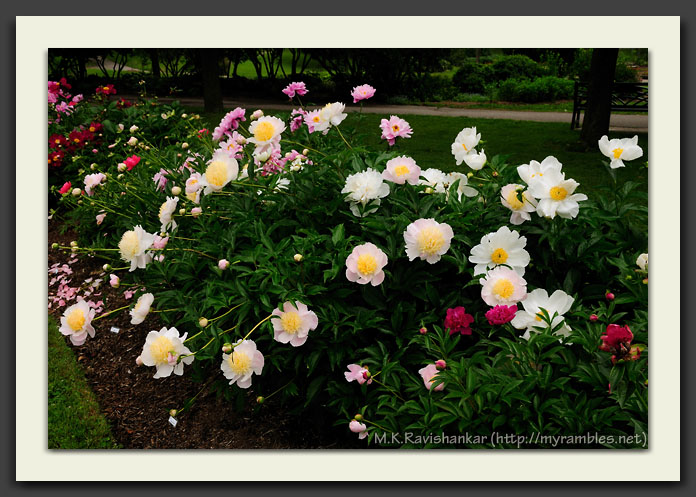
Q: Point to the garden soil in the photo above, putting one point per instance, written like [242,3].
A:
[137,405]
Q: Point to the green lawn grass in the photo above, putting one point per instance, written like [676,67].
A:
[74,419]
[522,141]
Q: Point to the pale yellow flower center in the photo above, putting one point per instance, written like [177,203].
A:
[618,152]
[192,196]
[503,288]
[514,200]
[76,319]
[264,131]
[160,349]
[499,256]
[401,170]
[239,362]
[367,264]
[161,211]
[216,173]
[558,193]
[430,240]
[291,322]
[129,245]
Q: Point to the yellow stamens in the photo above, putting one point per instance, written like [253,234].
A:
[239,362]
[464,145]
[514,200]
[430,240]
[367,264]
[401,170]
[216,173]
[618,152]
[395,128]
[76,319]
[264,131]
[160,349]
[499,256]
[129,245]
[503,288]
[558,193]
[291,322]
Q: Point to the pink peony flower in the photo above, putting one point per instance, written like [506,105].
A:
[65,188]
[501,314]
[427,239]
[357,427]
[393,128]
[428,373]
[223,264]
[229,122]
[92,180]
[312,119]
[196,211]
[295,88]
[160,242]
[503,286]
[114,281]
[131,162]
[362,92]
[128,294]
[458,321]
[357,373]
[402,169]
[160,179]
[293,323]
[100,218]
[297,121]
[365,263]
[617,340]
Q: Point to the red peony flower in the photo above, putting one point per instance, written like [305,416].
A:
[57,141]
[617,340]
[501,314]
[123,104]
[457,320]
[55,159]
[106,90]
[66,188]
[131,161]
[94,127]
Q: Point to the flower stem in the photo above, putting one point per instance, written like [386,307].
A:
[341,134]
[378,426]
[110,312]
[385,386]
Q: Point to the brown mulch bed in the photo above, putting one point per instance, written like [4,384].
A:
[137,405]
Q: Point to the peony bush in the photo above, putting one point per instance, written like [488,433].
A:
[359,286]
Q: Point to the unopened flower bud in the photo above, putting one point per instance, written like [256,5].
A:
[79,202]
[260,399]
[629,277]
[469,175]
[132,141]
[178,155]
[54,246]
[173,413]
[184,145]
[120,128]
[305,152]
[428,190]
[182,211]
[196,211]
[203,322]
[495,174]
[133,129]
[645,281]
[76,192]
[223,264]
[609,296]
[120,176]
[92,166]
[227,348]
[256,114]
[106,267]
[358,417]
[176,191]
[184,116]
[74,249]
[298,257]
[594,318]
[423,330]
[121,167]
[440,364]
[114,281]
[73,243]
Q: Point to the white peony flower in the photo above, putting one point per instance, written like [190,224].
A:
[221,170]
[331,115]
[367,187]
[504,247]
[519,201]
[244,361]
[402,169]
[76,322]
[503,286]
[166,211]
[435,179]
[559,303]
[133,245]
[535,171]
[475,161]
[293,323]
[464,144]
[427,239]
[266,132]
[162,350]
[642,262]
[619,150]
[556,195]
[142,308]
[462,188]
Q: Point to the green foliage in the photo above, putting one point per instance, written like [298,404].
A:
[543,89]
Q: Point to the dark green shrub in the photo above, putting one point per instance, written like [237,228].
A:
[515,66]
[544,89]
[472,77]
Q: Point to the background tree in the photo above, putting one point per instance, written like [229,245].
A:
[598,113]
[208,61]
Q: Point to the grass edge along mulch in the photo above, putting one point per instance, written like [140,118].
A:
[74,417]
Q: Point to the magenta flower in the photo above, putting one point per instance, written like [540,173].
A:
[457,320]
[131,161]
[160,179]
[67,186]
[229,122]
[362,92]
[295,88]
[393,128]
[501,314]
[357,373]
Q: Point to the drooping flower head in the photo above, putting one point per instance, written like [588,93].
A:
[365,263]
[619,150]
[221,170]
[556,195]
[401,169]
[458,321]
[617,340]
[465,143]
[462,186]
[427,239]
[166,211]
[265,133]
[364,188]
[163,349]
[503,286]
[642,262]
[557,304]
[142,308]
[501,314]
[357,373]
[503,247]
[76,322]
[362,92]
[293,323]
[160,179]
[294,88]
[244,361]
[133,246]
[519,201]
[92,180]
[394,128]
[476,160]
[428,373]
[359,428]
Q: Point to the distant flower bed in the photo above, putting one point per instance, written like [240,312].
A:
[286,257]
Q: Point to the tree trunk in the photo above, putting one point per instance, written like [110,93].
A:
[598,113]
[154,58]
[209,59]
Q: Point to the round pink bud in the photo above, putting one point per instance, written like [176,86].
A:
[423,330]
[196,211]
[594,318]
[440,364]
[609,296]
[227,348]
[114,281]
[223,264]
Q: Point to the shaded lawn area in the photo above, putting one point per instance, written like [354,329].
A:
[74,418]
[522,141]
